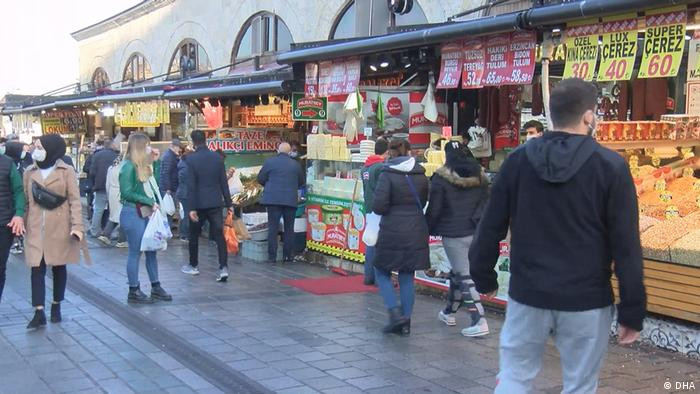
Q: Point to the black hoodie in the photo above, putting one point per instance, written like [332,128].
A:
[571,206]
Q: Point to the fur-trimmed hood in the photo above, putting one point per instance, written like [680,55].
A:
[462,182]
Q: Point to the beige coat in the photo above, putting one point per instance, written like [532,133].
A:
[50,233]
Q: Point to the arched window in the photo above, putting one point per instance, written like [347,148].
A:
[344,25]
[136,70]
[264,33]
[188,58]
[99,78]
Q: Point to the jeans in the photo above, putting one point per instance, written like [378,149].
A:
[185,222]
[386,290]
[60,277]
[99,206]
[134,227]
[462,288]
[6,238]
[90,197]
[109,229]
[274,213]
[369,265]
[215,218]
[580,337]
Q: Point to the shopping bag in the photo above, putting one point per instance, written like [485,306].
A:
[182,212]
[168,205]
[241,230]
[369,237]
[157,233]
[230,235]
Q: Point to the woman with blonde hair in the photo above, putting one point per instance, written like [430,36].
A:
[140,196]
[54,223]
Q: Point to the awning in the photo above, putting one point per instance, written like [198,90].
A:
[228,90]
[532,18]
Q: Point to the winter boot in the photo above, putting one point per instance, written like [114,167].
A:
[56,313]
[39,319]
[406,328]
[138,297]
[158,293]
[396,321]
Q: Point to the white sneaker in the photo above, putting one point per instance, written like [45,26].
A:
[121,245]
[479,329]
[448,319]
[223,275]
[190,270]
[104,240]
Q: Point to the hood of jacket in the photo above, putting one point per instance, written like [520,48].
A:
[558,156]
[373,159]
[405,165]
[454,178]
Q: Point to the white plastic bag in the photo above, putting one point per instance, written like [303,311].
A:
[182,212]
[430,110]
[157,233]
[369,237]
[168,205]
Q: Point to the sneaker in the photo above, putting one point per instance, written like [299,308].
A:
[447,318]
[188,269]
[481,328]
[186,240]
[223,275]
[104,240]
[122,245]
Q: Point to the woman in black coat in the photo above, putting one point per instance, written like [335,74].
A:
[458,194]
[402,243]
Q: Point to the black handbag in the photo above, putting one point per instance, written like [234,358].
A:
[45,197]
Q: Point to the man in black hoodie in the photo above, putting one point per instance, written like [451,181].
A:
[572,210]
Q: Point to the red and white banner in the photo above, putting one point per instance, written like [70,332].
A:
[450,65]
[352,70]
[419,128]
[311,82]
[324,78]
[497,71]
[474,60]
[522,57]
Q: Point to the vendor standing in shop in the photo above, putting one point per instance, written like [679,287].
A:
[533,129]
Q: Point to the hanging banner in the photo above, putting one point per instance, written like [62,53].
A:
[693,56]
[450,65]
[309,108]
[420,128]
[473,67]
[522,57]
[64,122]
[338,78]
[142,114]
[619,49]
[664,42]
[352,70]
[496,67]
[311,82]
[581,49]
[324,78]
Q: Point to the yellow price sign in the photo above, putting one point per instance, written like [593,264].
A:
[619,48]
[581,49]
[664,41]
[672,212]
[660,185]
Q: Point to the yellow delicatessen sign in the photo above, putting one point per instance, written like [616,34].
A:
[664,41]
[142,113]
[619,48]
[581,49]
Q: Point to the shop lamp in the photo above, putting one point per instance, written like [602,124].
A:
[91,112]
[556,30]
[373,67]
[107,111]
[687,37]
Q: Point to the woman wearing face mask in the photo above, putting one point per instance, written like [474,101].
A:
[54,223]
[139,196]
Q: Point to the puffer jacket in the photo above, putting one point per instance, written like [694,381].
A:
[456,202]
[402,244]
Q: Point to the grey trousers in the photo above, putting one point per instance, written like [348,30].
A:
[462,288]
[580,337]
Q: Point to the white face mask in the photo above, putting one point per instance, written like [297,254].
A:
[530,137]
[149,150]
[39,155]
[23,155]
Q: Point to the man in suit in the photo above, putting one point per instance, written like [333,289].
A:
[207,191]
[281,176]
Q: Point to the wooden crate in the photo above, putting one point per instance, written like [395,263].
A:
[672,290]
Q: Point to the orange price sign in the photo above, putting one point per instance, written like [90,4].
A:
[664,42]
[581,50]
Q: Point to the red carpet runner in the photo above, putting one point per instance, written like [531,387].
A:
[331,285]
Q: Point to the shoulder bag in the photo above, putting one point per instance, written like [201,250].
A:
[45,197]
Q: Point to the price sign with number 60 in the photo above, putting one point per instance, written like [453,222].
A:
[664,42]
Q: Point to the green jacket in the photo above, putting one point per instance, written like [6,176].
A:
[130,188]
[370,177]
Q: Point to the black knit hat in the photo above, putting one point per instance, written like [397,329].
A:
[55,148]
[458,159]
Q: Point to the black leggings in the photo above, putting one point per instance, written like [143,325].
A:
[60,276]
[6,238]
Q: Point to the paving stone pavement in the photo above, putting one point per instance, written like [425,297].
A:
[284,339]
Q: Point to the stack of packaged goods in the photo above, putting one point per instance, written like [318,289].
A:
[436,159]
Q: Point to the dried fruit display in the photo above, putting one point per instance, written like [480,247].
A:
[645,222]
[656,240]
[687,249]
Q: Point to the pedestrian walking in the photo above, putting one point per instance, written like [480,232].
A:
[571,206]
[89,194]
[370,175]
[281,177]
[458,193]
[168,171]
[12,208]
[181,194]
[115,207]
[207,194]
[140,196]
[402,244]
[18,152]
[54,223]
[99,165]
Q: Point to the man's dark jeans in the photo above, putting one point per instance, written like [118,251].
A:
[274,213]
[215,218]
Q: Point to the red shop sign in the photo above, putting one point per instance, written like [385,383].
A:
[473,68]
[497,70]
[311,84]
[522,57]
[324,78]
[450,65]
